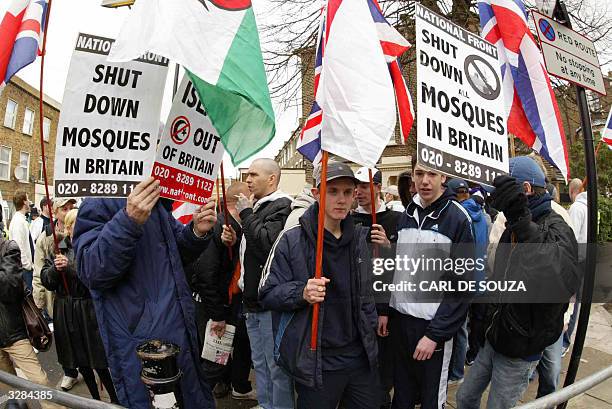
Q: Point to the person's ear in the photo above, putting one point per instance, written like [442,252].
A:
[315,193]
[443,178]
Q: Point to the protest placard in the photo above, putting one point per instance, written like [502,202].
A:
[108,127]
[190,149]
[461,129]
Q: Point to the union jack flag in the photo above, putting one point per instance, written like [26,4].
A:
[393,45]
[21,32]
[533,114]
[183,211]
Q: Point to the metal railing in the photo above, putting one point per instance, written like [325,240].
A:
[571,391]
[60,397]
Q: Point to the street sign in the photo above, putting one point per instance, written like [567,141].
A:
[461,129]
[568,54]
[547,7]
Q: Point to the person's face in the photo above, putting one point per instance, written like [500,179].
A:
[462,194]
[428,183]
[61,212]
[340,194]
[259,181]
[362,193]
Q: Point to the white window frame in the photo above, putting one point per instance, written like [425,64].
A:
[46,129]
[27,176]
[41,177]
[10,149]
[13,121]
[25,129]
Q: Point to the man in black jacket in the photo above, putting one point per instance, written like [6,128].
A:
[539,247]
[262,222]
[15,347]
[212,280]
[343,369]
[381,234]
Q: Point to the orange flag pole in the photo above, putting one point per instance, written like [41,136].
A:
[224,208]
[319,255]
[373,208]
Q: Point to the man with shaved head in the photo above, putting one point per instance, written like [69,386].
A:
[262,216]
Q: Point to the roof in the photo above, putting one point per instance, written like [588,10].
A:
[18,82]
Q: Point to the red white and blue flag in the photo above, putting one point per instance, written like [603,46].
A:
[533,114]
[393,45]
[21,32]
[606,135]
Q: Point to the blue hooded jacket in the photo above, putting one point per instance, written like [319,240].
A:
[136,278]
[480,231]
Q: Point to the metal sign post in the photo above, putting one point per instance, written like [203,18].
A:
[591,253]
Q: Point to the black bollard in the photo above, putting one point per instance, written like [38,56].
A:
[160,374]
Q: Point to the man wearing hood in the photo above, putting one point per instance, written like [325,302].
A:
[538,247]
[344,367]
[422,332]
[381,234]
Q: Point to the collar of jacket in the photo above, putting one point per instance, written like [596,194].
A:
[433,210]
[277,194]
[539,205]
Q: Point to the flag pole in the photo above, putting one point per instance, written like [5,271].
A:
[373,208]
[41,119]
[226,214]
[319,255]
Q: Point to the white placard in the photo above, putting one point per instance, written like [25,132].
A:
[218,350]
[547,7]
[190,150]
[461,127]
[569,55]
[108,126]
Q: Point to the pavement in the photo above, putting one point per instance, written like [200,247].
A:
[596,355]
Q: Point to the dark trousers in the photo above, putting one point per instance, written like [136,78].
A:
[385,368]
[415,382]
[356,388]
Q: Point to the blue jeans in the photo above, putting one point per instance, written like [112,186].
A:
[460,346]
[509,378]
[549,368]
[274,387]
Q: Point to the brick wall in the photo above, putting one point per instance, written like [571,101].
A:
[26,96]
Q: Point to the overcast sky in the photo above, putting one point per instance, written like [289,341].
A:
[68,18]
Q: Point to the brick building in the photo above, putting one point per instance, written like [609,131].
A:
[20,151]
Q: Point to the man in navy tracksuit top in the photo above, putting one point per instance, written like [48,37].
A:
[422,332]
[343,368]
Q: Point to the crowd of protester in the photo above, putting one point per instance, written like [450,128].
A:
[124,271]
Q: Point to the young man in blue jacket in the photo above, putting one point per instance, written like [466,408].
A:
[130,255]
[423,329]
[344,367]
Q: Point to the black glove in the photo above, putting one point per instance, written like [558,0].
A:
[509,198]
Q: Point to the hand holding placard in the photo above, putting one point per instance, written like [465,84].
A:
[204,218]
[142,200]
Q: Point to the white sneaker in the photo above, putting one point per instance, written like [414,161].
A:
[250,395]
[257,407]
[68,382]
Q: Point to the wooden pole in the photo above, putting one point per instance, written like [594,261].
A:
[319,255]
[41,119]
[226,213]
[373,209]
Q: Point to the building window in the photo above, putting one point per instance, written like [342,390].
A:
[5,162]
[10,116]
[24,164]
[41,176]
[46,129]
[28,122]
